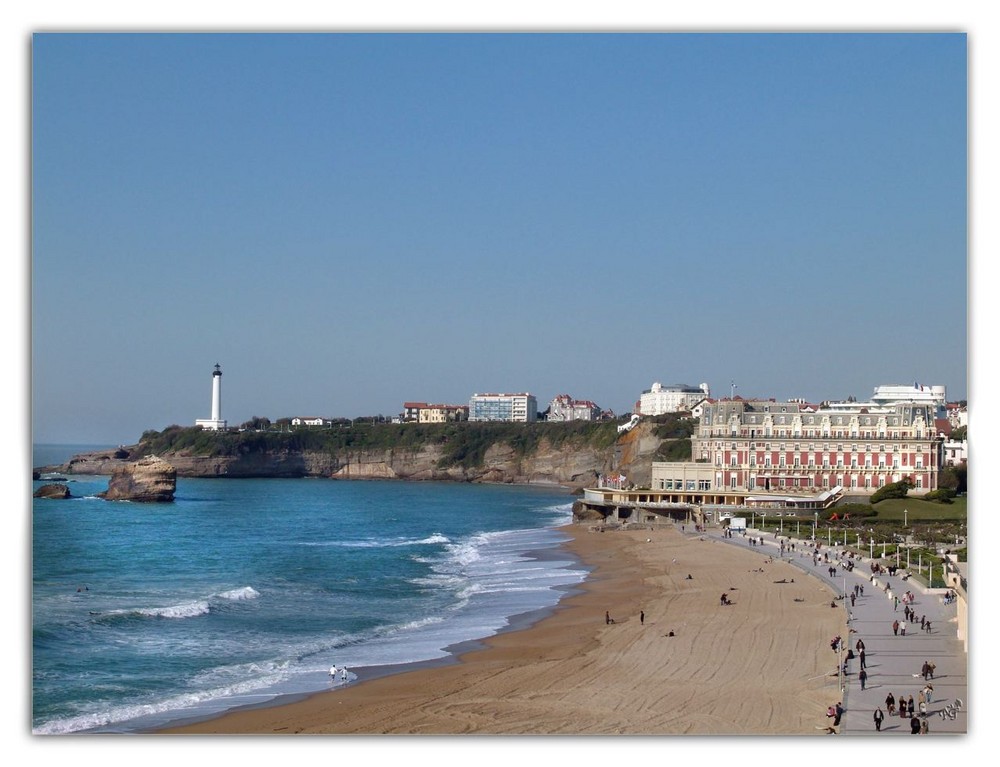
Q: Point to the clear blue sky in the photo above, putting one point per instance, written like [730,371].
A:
[348,221]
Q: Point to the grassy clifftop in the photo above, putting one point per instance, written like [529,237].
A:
[462,444]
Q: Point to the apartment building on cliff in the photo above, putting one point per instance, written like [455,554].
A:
[565,408]
[660,399]
[422,412]
[520,408]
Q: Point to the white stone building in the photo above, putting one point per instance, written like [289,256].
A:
[660,399]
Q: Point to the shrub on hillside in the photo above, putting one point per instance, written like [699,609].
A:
[941,495]
[892,490]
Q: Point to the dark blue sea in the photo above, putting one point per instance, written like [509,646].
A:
[244,591]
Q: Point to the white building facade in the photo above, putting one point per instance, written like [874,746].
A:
[660,399]
[518,408]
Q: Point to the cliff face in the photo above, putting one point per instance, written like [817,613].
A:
[149,480]
[572,466]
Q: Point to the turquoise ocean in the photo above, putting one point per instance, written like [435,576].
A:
[245,592]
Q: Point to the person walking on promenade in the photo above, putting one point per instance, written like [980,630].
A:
[923,727]
[863,677]
[859,645]
[878,716]
[928,692]
[925,670]
[914,726]
[923,621]
[902,629]
[890,704]
[895,628]
[861,657]
[927,627]
[910,708]
[839,712]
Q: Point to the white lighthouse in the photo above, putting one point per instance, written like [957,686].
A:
[215,422]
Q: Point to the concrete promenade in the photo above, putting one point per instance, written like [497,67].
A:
[893,662]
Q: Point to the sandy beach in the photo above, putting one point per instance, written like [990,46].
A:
[761,665]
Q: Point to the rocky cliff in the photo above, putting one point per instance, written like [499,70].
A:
[148,480]
[573,466]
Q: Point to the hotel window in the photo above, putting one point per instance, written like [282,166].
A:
[732,460]
[854,482]
[704,484]
[689,485]
[732,482]
[920,462]
[781,460]
[868,483]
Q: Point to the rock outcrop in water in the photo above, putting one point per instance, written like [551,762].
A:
[148,480]
[53,490]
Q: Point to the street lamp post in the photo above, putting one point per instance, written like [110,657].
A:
[904,517]
[871,548]
[883,549]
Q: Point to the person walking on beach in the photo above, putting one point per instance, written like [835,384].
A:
[878,716]
[333,672]
[343,674]
[642,618]
[607,617]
